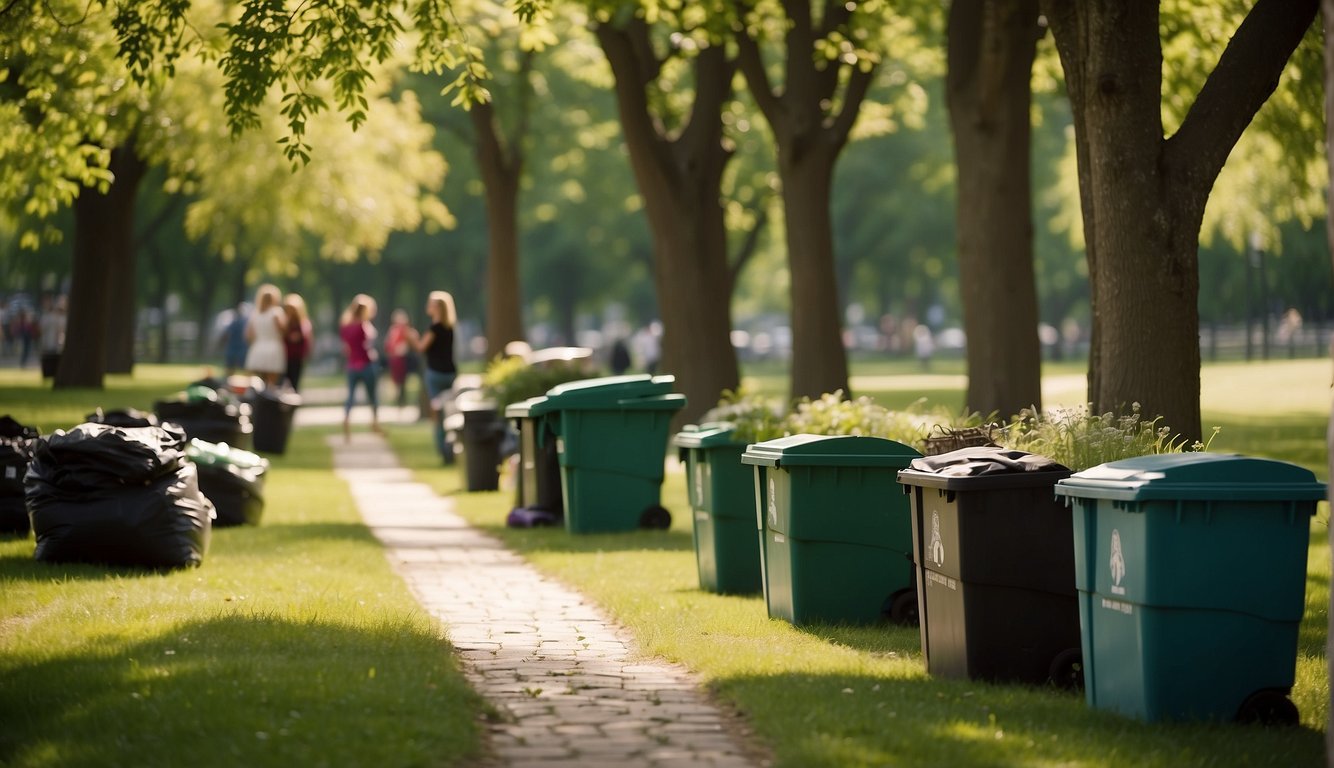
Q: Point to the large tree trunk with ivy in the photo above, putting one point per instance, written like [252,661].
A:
[103,237]
[1144,195]
[501,164]
[991,49]
[680,179]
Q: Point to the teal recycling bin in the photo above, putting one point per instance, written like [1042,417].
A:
[1191,572]
[722,500]
[537,490]
[836,537]
[611,437]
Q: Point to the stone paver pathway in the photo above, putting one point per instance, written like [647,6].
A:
[568,684]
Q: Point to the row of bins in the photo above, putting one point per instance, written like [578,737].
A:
[1171,587]
[607,437]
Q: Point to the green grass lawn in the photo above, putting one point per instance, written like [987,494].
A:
[295,644]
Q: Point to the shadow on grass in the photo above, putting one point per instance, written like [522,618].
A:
[868,719]
[243,690]
[24,567]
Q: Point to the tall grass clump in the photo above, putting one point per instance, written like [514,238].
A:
[1080,438]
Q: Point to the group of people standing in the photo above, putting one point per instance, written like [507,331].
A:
[278,337]
[275,339]
[402,345]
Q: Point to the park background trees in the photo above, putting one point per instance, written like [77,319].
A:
[597,241]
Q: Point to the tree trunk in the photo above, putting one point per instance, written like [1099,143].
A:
[991,51]
[1144,197]
[103,229]
[811,113]
[122,283]
[680,179]
[819,362]
[502,169]
[1327,12]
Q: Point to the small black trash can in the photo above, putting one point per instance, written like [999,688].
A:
[272,413]
[208,413]
[482,433]
[537,490]
[50,362]
[995,560]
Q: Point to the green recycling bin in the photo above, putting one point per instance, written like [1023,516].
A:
[611,436]
[722,499]
[537,490]
[836,537]
[1191,572]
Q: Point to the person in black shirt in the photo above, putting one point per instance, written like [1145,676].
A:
[437,347]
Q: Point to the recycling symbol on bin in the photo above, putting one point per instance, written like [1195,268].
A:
[937,546]
[1118,559]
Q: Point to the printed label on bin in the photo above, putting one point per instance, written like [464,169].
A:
[11,473]
[1117,563]
[1118,606]
[773,505]
[939,578]
[937,552]
[699,485]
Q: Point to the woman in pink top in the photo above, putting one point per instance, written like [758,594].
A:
[358,336]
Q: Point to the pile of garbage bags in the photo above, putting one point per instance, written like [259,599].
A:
[14,448]
[115,495]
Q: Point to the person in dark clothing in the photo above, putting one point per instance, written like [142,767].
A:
[437,348]
[620,357]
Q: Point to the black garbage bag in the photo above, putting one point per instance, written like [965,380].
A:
[14,449]
[206,413]
[117,496]
[231,478]
[985,460]
[122,417]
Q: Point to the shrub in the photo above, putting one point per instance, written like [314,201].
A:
[511,379]
[754,418]
[832,414]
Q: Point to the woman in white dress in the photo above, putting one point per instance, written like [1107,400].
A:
[267,358]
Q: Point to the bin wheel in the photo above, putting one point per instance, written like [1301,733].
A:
[902,608]
[1269,707]
[1067,669]
[655,516]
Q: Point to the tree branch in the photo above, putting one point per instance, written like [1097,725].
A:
[1246,76]
[752,66]
[859,82]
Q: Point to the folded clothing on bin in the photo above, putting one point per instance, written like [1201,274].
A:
[985,460]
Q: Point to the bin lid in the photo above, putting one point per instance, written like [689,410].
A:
[982,468]
[706,435]
[1195,477]
[606,391]
[533,406]
[829,450]
[669,402]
